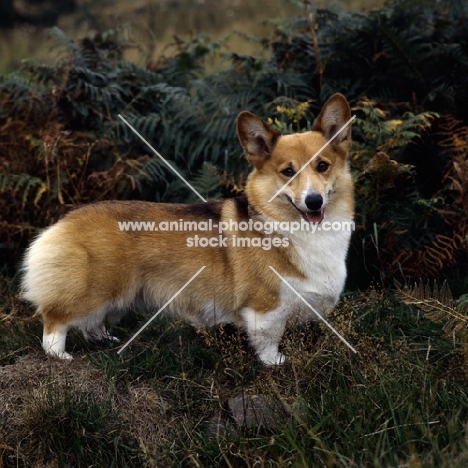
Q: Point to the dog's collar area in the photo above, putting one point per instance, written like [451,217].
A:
[309,216]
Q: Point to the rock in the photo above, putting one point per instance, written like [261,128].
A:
[256,411]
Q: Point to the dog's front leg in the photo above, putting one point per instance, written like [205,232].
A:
[265,331]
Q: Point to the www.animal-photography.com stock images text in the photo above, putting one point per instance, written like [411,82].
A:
[234,234]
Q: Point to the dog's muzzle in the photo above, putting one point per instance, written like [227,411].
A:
[315,208]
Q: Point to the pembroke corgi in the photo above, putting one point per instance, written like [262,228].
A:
[89,268]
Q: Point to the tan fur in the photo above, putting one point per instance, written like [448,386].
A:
[84,271]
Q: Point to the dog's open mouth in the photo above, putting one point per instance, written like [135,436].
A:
[314,216]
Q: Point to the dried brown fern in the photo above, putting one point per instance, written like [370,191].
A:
[444,252]
[454,143]
[46,170]
[453,136]
[458,177]
[438,305]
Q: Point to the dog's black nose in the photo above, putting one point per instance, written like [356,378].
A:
[314,202]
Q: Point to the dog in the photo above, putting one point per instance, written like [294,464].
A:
[85,271]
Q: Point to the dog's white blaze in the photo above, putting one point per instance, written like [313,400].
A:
[309,189]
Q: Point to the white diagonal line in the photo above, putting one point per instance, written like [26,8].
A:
[313,310]
[161,309]
[310,160]
[158,154]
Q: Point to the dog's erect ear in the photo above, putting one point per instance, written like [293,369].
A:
[257,138]
[335,113]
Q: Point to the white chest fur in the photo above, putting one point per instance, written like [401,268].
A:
[321,256]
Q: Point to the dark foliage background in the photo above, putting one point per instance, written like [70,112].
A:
[403,68]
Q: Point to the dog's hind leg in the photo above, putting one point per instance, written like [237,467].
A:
[98,333]
[93,326]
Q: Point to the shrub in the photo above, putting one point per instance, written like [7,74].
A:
[403,68]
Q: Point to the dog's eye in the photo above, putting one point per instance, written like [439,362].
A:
[322,166]
[288,172]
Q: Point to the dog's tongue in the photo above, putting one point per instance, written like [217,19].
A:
[315,216]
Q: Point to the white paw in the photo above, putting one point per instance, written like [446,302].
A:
[54,344]
[59,354]
[65,355]
[99,334]
[272,358]
[112,338]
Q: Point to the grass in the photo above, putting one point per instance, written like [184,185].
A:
[402,401]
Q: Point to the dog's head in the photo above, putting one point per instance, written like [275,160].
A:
[312,164]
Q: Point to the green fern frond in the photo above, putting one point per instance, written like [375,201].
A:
[27,188]
[146,126]
[42,73]
[206,182]
[63,45]
[154,170]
